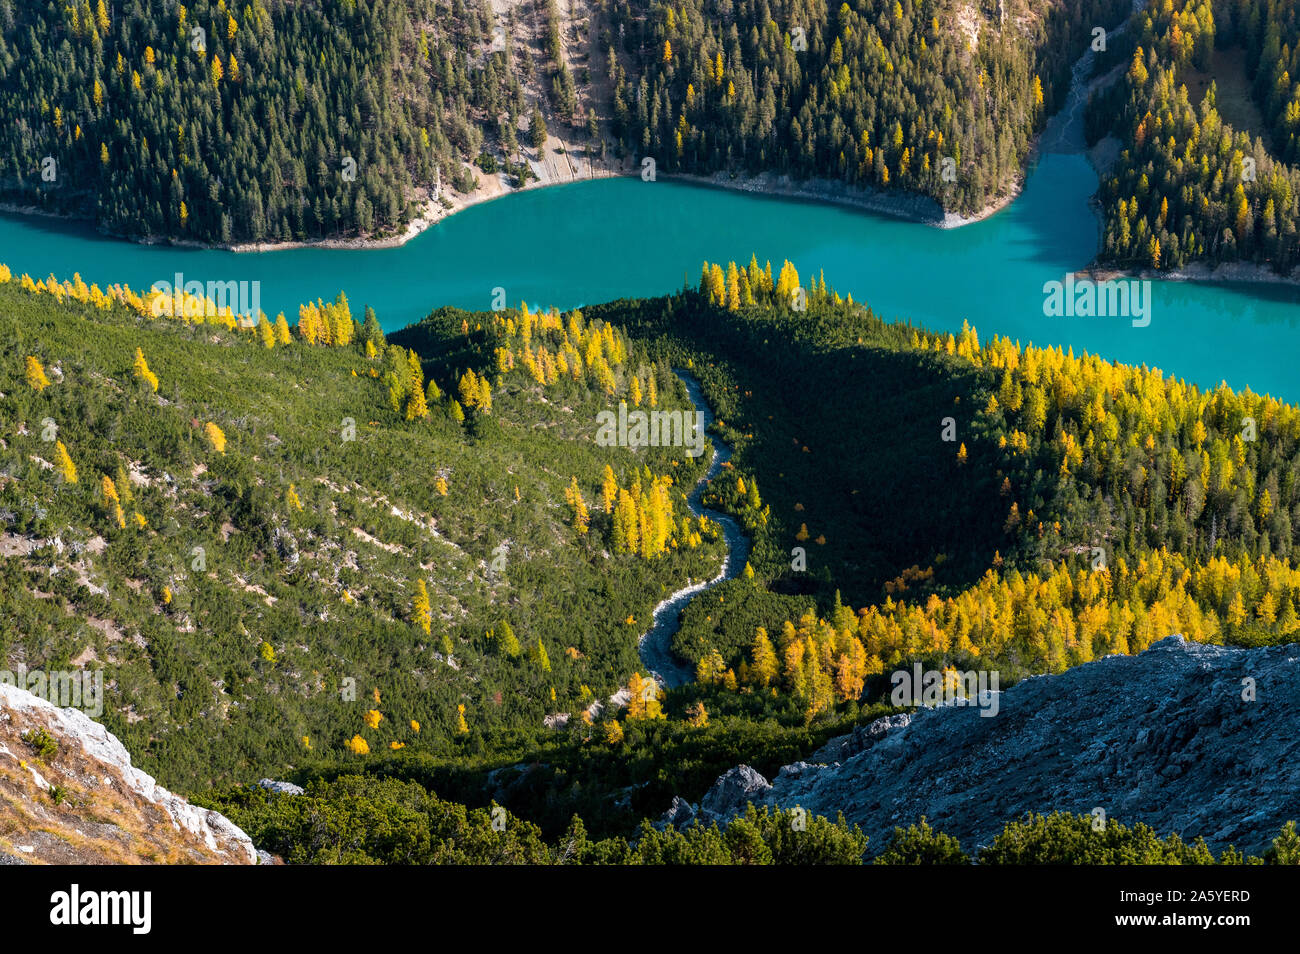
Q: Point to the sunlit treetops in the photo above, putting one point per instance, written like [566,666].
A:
[548,347]
[1023,624]
[1188,185]
[637,516]
[733,287]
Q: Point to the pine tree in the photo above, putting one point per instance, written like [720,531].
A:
[372,332]
[537,130]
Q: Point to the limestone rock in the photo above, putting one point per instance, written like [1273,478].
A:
[56,807]
[1163,738]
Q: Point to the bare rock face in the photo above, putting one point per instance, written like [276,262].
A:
[1185,737]
[83,802]
[733,791]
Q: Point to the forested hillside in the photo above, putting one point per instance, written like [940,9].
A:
[272,121]
[876,93]
[286,546]
[259,121]
[1208,114]
[359,820]
[984,505]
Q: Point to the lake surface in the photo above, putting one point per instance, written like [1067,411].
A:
[611,238]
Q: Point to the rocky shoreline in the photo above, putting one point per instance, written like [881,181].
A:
[1246,273]
[911,206]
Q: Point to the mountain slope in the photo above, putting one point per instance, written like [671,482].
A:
[279,546]
[1163,738]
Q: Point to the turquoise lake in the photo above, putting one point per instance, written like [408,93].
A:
[611,238]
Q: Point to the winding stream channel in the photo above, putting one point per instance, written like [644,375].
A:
[656,645]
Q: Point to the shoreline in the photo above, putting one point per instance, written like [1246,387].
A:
[905,206]
[909,206]
[491,186]
[1102,157]
[1224,273]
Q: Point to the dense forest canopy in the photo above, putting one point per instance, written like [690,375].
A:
[394,565]
[1189,185]
[273,121]
[249,121]
[875,93]
[360,820]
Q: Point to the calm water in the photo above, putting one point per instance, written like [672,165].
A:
[595,241]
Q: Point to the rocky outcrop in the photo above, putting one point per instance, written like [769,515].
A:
[70,795]
[1185,737]
[280,788]
[733,791]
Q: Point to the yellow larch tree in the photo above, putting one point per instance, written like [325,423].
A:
[421,611]
[36,374]
[63,463]
[141,371]
[215,436]
[573,497]
[112,503]
[608,489]
[643,698]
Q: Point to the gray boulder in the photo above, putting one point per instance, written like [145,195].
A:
[679,814]
[733,791]
[280,788]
